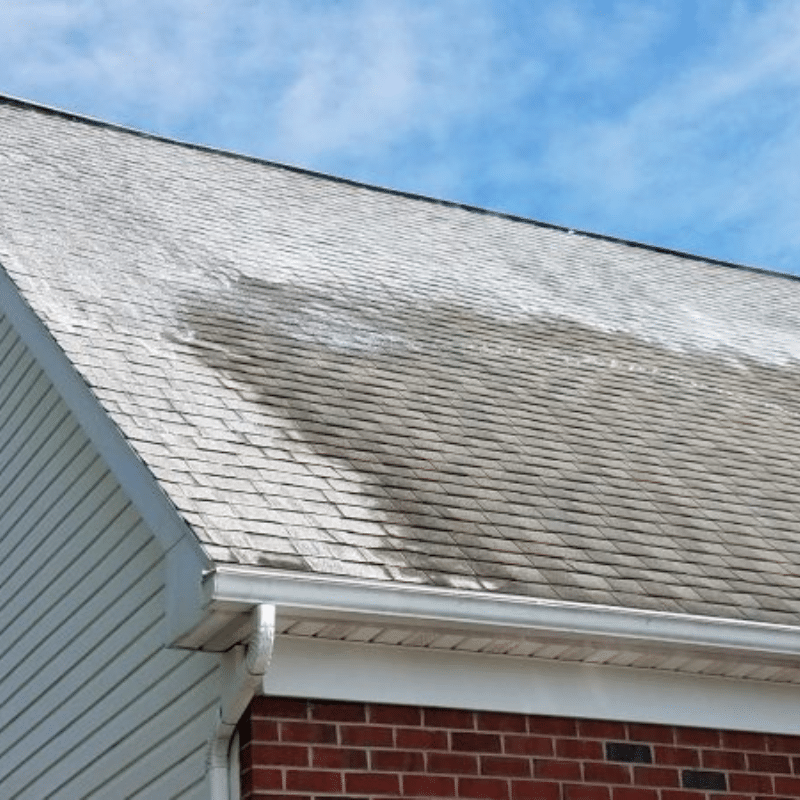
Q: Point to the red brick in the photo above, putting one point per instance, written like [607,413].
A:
[662,734]
[697,736]
[579,748]
[338,712]
[338,758]
[598,772]
[528,745]
[475,742]
[783,744]
[372,783]
[723,759]
[280,707]
[367,735]
[757,765]
[633,793]
[747,782]
[262,730]
[656,776]
[601,729]
[454,763]
[573,792]
[484,788]
[429,786]
[279,755]
[507,723]
[507,766]
[535,790]
[278,796]
[741,740]
[312,732]
[786,785]
[395,715]
[262,780]
[313,781]
[555,726]
[397,760]
[421,739]
[676,756]
[557,770]
[449,718]
[759,762]
[245,756]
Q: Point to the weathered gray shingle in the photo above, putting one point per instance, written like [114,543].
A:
[330,377]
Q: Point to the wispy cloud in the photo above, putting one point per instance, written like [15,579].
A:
[125,60]
[381,77]
[670,121]
[712,150]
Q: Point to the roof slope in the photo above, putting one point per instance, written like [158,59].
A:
[334,378]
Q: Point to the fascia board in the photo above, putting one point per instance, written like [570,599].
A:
[185,555]
[375,673]
[228,587]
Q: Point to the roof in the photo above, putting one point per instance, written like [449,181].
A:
[342,380]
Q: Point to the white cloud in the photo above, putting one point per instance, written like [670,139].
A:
[614,116]
[714,149]
[121,60]
[373,73]
[355,84]
[589,46]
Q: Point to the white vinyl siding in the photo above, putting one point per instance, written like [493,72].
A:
[91,704]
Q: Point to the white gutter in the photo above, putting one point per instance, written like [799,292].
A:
[230,587]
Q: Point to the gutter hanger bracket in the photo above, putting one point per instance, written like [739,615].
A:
[242,674]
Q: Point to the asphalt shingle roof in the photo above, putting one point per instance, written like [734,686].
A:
[335,378]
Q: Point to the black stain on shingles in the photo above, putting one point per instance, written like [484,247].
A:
[539,454]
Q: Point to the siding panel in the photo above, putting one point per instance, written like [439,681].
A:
[160,756]
[92,705]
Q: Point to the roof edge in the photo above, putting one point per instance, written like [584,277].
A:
[122,460]
[96,122]
[229,586]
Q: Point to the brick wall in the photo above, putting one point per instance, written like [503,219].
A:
[313,749]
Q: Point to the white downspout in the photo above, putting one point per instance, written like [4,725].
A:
[242,673]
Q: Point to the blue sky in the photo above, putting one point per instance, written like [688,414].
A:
[674,122]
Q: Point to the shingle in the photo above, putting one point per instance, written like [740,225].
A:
[334,378]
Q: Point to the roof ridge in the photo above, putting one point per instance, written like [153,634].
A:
[10,100]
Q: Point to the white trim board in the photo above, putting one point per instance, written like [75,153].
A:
[312,668]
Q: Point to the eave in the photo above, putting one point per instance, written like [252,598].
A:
[332,608]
